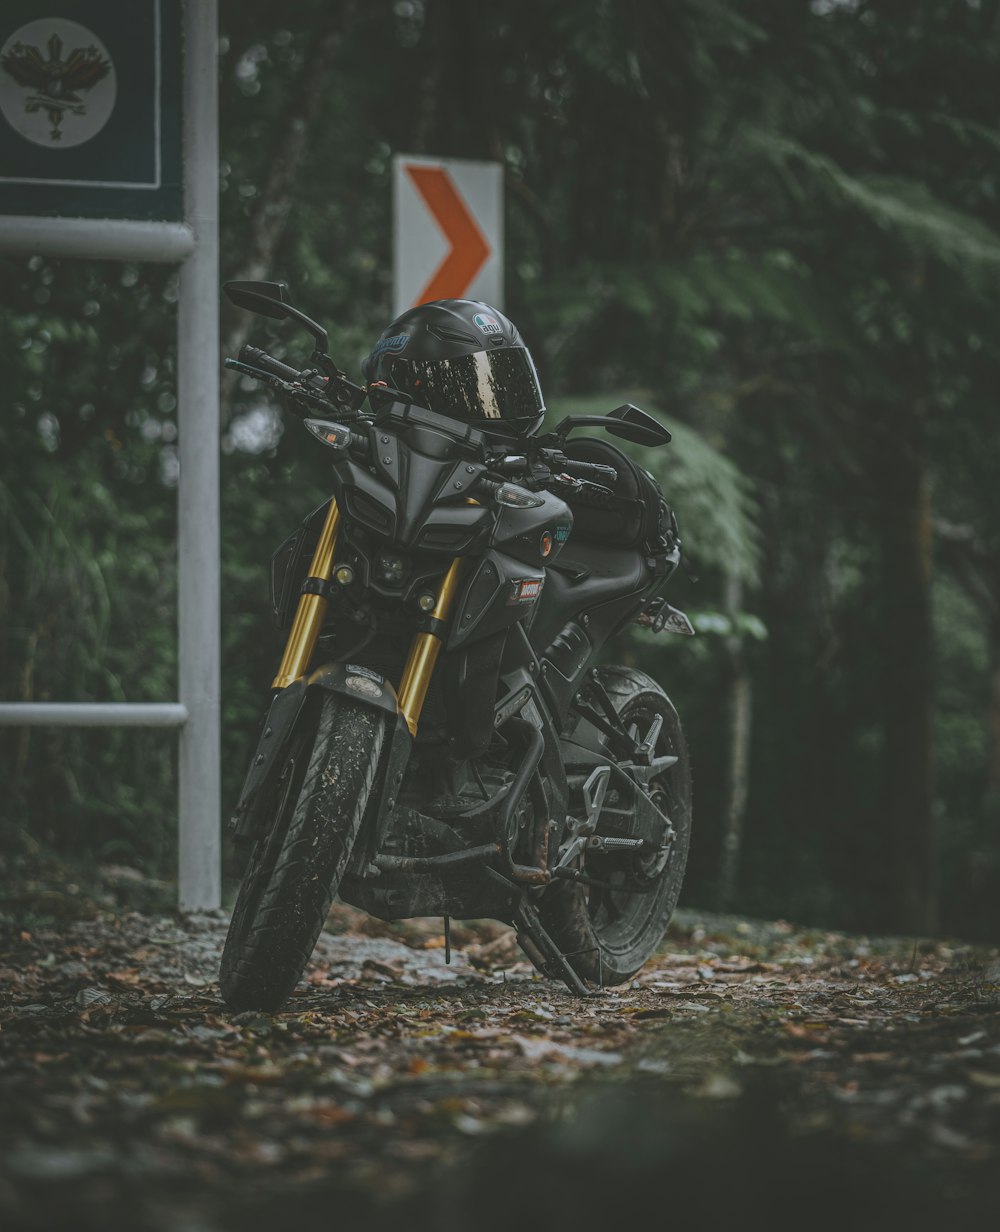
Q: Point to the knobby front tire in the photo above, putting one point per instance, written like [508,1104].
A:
[294,871]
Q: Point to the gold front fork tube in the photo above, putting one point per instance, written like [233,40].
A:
[424,652]
[312,608]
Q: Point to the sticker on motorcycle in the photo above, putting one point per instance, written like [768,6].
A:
[525,590]
[356,670]
[363,686]
[390,346]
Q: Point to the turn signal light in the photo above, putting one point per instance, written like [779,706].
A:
[335,435]
[517,498]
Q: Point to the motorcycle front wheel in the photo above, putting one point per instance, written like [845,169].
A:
[609,928]
[295,868]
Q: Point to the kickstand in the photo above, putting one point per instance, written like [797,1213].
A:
[533,937]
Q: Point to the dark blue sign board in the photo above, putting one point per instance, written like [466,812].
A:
[90,109]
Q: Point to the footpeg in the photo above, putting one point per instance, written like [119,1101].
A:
[660,617]
[598,842]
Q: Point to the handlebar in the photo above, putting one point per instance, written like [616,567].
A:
[580,491]
[519,464]
[313,387]
[257,358]
[560,464]
[310,388]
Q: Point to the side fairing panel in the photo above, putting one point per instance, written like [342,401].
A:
[499,592]
[535,536]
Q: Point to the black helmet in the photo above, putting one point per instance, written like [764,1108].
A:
[463,359]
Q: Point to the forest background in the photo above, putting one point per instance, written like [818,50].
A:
[775,224]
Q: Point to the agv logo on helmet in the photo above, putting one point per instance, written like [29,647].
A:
[486,324]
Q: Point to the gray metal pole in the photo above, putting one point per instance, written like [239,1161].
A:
[92,714]
[115,239]
[199,886]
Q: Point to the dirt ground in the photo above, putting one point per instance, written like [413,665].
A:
[751,1070]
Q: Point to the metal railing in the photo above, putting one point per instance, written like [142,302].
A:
[93,714]
[195,244]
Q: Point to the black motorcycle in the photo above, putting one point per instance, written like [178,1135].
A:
[441,739]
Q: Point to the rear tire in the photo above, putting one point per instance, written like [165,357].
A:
[608,935]
[294,870]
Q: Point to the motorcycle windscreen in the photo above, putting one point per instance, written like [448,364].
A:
[489,387]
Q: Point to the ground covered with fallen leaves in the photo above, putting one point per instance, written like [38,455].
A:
[751,1069]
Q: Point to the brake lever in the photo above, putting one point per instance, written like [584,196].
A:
[311,398]
[582,487]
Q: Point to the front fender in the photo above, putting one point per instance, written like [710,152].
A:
[364,687]
[360,684]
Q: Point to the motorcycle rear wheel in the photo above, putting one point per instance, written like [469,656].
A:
[294,870]
[608,935]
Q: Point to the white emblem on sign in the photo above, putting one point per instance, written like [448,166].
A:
[360,684]
[57,83]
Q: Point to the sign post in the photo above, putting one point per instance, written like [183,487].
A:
[447,231]
[97,162]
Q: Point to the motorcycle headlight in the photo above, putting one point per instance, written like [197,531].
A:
[391,568]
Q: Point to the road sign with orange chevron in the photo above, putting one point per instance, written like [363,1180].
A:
[447,232]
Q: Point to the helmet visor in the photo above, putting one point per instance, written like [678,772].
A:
[484,388]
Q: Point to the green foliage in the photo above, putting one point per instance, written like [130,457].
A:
[901,209]
[773,225]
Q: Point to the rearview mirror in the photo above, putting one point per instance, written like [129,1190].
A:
[627,421]
[270,299]
[636,426]
[263,297]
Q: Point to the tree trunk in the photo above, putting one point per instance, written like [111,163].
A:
[274,204]
[977,570]
[908,648]
[740,713]
[994,728]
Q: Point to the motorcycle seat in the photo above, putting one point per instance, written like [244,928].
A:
[591,577]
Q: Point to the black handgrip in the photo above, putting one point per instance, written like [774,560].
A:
[597,470]
[582,492]
[257,358]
